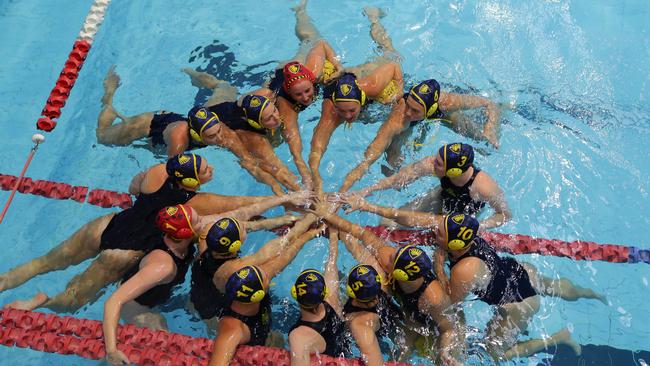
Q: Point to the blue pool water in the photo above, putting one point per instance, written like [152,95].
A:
[573,160]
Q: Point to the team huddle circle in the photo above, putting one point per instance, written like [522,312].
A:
[399,300]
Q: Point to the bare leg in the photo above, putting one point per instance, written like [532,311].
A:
[305,29]
[562,288]
[222,91]
[143,316]
[505,327]
[131,128]
[82,245]
[85,288]
[530,347]
[201,79]
[380,37]
[377,30]
[30,304]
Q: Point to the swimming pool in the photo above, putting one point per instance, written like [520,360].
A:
[573,150]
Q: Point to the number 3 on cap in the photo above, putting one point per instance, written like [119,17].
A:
[463,160]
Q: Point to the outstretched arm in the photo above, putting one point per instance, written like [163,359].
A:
[393,126]
[231,141]
[269,250]
[402,217]
[260,147]
[212,203]
[451,102]
[362,255]
[320,140]
[271,223]
[373,243]
[358,251]
[291,134]
[246,212]
[332,273]
[275,246]
[403,177]
[275,265]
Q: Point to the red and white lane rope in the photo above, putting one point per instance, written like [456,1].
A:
[64,84]
[82,337]
[513,243]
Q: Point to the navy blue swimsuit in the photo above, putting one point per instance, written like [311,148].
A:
[389,313]
[332,329]
[158,295]
[207,299]
[159,123]
[509,283]
[259,324]
[409,302]
[457,199]
[135,228]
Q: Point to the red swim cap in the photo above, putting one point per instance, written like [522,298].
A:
[294,72]
[176,221]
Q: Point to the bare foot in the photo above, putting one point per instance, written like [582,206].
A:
[373,13]
[111,83]
[591,294]
[300,7]
[224,92]
[3,282]
[588,293]
[107,117]
[201,79]
[30,304]
[564,337]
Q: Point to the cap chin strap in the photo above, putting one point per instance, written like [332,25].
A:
[398,273]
